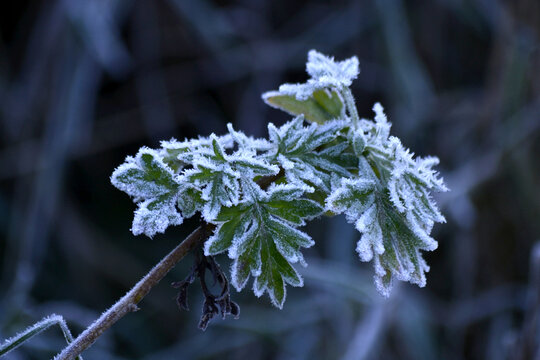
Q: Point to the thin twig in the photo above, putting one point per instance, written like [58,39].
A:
[129,302]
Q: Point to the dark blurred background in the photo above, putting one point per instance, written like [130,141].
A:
[83,83]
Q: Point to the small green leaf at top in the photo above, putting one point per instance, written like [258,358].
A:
[323,105]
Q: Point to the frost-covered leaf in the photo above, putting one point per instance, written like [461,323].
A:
[154,187]
[395,221]
[390,204]
[310,155]
[325,73]
[321,106]
[388,237]
[262,238]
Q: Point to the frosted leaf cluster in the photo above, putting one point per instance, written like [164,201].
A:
[259,192]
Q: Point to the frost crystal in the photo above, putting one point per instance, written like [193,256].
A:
[257,192]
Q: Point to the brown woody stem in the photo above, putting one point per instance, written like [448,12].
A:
[128,302]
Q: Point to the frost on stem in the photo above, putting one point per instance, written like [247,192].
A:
[15,341]
[337,164]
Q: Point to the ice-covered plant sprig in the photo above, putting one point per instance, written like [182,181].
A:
[254,195]
[336,164]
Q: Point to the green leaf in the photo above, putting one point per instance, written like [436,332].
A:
[392,239]
[323,105]
[262,238]
[154,187]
